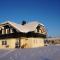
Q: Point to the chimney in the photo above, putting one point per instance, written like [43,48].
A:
[23,22]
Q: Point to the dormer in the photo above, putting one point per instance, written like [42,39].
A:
[41,29]
[7,28]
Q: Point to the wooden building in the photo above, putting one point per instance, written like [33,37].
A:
[52,41]
[29,35]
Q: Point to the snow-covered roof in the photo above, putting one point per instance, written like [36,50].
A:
[54,38]
[31,26]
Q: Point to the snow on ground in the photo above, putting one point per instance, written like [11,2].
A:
[43,53]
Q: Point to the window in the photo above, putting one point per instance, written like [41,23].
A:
[0,31]
[7,31]
[4,42]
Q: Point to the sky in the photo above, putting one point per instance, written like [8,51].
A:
[44,11]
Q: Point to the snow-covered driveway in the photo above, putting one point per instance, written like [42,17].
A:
[43,53]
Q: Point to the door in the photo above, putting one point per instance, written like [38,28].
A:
[17,44]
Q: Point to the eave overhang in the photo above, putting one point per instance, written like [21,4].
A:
[18,35]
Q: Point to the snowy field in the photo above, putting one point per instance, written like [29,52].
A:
[44,53]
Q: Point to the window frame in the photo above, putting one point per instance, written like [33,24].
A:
[4,42]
